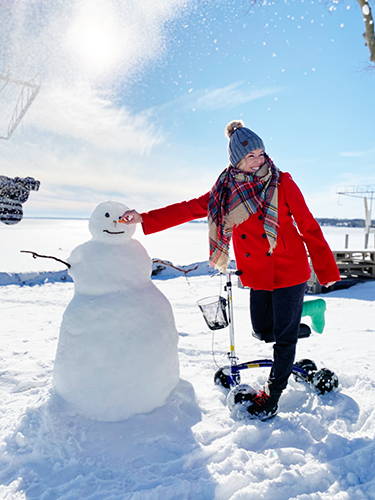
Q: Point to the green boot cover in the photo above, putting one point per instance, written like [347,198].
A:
[315,309]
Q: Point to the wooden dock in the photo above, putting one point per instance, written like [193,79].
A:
[354,265]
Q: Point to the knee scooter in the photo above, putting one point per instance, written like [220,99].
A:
[218,313]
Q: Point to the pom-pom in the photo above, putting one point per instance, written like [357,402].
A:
[232,126]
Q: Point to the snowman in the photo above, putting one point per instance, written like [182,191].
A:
[117,351]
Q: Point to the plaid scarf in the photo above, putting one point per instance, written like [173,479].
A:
[234,197]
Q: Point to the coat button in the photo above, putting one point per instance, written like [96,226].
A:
[269,254]
[247,255]
[243,236]
[264,235]
[260,217]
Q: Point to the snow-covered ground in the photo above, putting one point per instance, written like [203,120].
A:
[317,447]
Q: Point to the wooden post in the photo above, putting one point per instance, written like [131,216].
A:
[346,241]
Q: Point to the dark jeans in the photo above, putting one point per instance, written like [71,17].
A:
[281,311]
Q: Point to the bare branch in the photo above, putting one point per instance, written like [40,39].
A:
[35,255]
[174,267]
[369,27]
[178,268]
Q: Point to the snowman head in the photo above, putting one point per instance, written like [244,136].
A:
[104,224]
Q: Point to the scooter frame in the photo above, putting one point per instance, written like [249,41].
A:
[235,367]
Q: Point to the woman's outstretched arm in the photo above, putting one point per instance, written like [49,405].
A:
[169,216]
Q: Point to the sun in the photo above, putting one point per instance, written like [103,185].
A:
[94,40]
[98,45]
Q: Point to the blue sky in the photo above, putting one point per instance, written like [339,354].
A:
[135,97]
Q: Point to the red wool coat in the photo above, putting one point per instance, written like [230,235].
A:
[288,264]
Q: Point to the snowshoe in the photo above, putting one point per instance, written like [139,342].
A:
[241,395]
[225,379]
[325,380]
[308,366]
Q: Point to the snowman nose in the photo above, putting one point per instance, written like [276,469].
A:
[115,223]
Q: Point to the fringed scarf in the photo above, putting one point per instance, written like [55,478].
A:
[234,197]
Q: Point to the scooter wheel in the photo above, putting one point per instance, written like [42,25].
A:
[325,380]
[241,396]
[308,366]
[224,378]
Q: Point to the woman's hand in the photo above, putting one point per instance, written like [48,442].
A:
[131,217]
[327,285]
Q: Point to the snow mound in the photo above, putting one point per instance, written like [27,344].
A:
[316,448]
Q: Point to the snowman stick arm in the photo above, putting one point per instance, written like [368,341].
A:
[174,267]
[35,255]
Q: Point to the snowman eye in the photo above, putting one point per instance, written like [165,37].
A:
[107,215]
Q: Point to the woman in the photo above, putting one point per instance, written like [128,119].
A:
[263,211]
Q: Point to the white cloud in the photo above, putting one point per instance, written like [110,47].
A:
[326,202]
[357,154]
[80,114]
[75,179]
[232,95]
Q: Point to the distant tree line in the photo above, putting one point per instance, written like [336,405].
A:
[343,222]
[323,221]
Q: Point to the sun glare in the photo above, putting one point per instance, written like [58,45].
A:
[94,41]
[98,45]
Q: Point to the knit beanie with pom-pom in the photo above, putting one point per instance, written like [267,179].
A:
[242,141]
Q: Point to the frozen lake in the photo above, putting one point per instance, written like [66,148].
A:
[183,244]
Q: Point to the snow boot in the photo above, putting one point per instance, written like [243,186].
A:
[264,405]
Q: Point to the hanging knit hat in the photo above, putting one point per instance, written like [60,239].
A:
[242,141]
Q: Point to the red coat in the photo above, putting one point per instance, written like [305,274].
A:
[288,264]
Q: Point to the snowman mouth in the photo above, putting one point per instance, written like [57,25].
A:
[113,232]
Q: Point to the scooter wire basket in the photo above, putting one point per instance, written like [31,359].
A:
[214,311]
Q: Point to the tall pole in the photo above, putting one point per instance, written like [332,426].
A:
[367,193]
